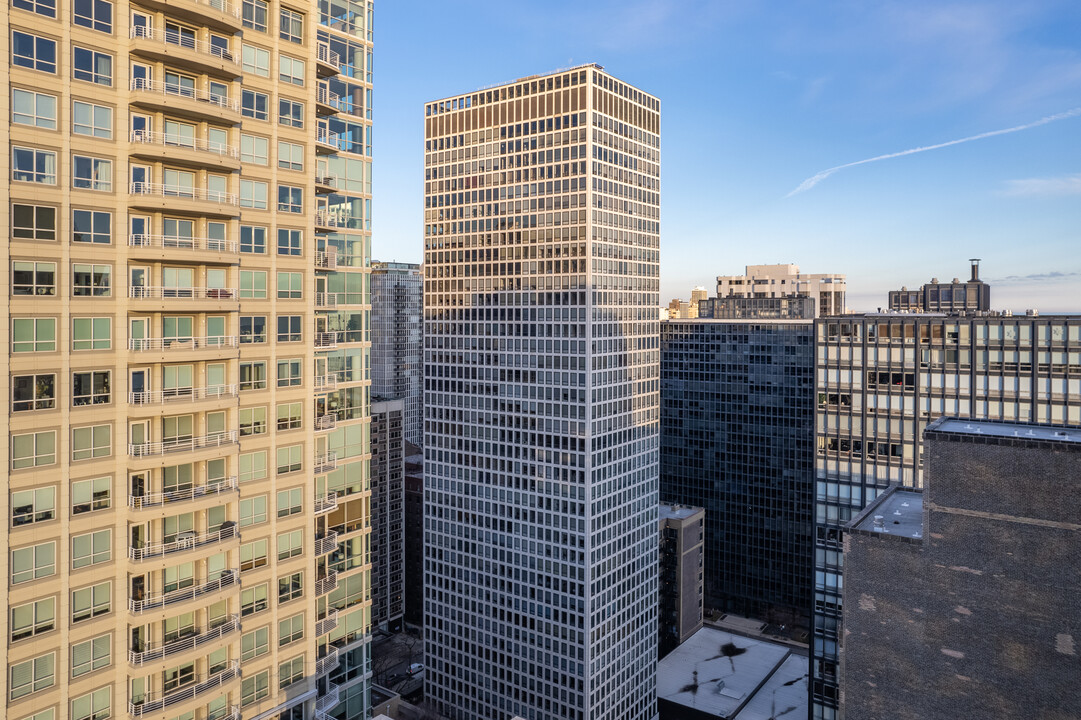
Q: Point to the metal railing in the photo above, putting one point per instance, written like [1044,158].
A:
[326,259]
[174,38]
[326,702]
[326,300]
[189,542]
[163,88]
[150,602]
[326,503]
[324,136]
[327,663]
[152,292]
[149,500]
[175,242]
[326,422]
[326,382]
[182,191]
[324,54]
[201,144]
[326,544]
[220,5]
[193,640]
[326,584]
[153,703]
[328,623]
[198,442]
[327,180]
[325,340]
[324,96]
[325,462]
[192,343]
[186,394]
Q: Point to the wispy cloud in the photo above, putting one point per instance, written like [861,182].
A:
[1028,187]
[1052,276]
[819,177]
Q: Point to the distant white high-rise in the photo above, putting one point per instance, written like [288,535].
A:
[785,280]
[541,407]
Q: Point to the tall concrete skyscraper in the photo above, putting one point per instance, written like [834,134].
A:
[542,209]
[397,335]
[187,216]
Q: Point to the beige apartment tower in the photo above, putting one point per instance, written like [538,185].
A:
[784,281]
[188,210]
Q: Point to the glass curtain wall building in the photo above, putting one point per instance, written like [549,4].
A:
[541,399]
[397,303]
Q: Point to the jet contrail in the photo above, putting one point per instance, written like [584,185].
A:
[815,179]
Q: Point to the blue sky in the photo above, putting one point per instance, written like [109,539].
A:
[759,96]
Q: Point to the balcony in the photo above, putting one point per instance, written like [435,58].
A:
[154,703]
[175,396]
[212,342]
[326,301]
[183,199]
[326,259]
[217,13]
[187,298]
[326,102]
[182,100]
[193,639]
[326,584]
[183,444]
[153,500]
[184,541]
[325,383]
[188,151]
[326,503]
[328,623]
[326,544]
[326,142]
[153,602]
[327,62]
[183,51]
[326,184]
[327,702]
[328,663]
[183,248]
[323,423]
[326,340]
[325,462]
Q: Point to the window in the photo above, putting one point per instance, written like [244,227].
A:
[290,587]
[252,329]
[91,280]
[33,278]
[90,173]
[31,51]
[91,442]
[290,459]
[255,104]
[289,416]
[33,165]
[33,108]
[41,7]
[290,113]
[253,239]
[89,602]
[33,222]
[96,705]
[253,555]
[252,284]
[290,156]
[33,449]
[289,241]
[93,120]
[31,563]
[91,548]
[289,373]
[290,544]
[291,26]
[252,466]
[92,66]
[33,335]
[254,644]
[94,14]
[289,328]
[32,675]
[255,15]
[33,392]
[252,422]
[90,495]
[290,199]
[33,619]
[90,388]
[91,655]
[256,60]
[252,376]
[91,333]
[253,194]
[33,506]
[91,226]
[290,70]
[290,671]
[290,502]
[254,688]
[253,510]
[290,285]
[253,149]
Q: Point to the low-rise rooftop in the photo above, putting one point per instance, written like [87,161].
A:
[899,512]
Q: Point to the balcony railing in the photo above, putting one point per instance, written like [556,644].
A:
[328,219]
[326,544]
[324,96]
[326,584]
[183,192]
[326,503]
[326,259]
[191,343]
[326,181]
[194,639]
[155,292]
[171,242]
[327,701]
[326,382]
[328,623]
[325,462]
[178,395]
[150,602]
[327,663]
[325,340]
[190,143]
[324,136]
[150,500]
[174,38]
[165,88]
[154,703]
[184,541]
[326,422]
[324,54]
[326,300]
[199,442]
